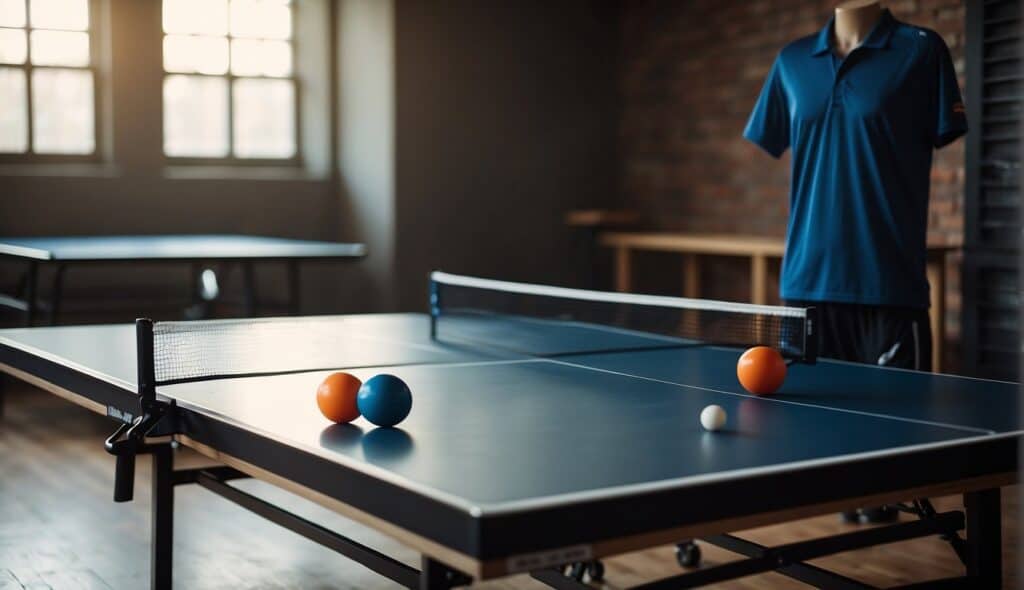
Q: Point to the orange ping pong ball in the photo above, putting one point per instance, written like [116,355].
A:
[761,370]
[336,397]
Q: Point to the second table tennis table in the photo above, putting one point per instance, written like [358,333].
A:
[538,443]
[246,251]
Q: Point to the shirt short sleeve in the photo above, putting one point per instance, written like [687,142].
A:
[951,118]
[768,126]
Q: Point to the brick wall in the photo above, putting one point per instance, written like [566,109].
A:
[689,75]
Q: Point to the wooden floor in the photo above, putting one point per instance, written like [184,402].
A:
[59,528]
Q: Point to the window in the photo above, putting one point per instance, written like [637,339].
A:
[229,88]
[46,78]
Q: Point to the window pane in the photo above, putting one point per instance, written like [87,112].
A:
[188,53]
[264,19]
[264,118]
[250,57]
[200,17]
[14,115]
[59,48]
[13,49]
[195,116]
[62,111]
[12,13]
[72,15]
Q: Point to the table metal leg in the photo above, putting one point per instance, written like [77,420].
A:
[197,308]
[56,294]
[250,304]
[984,538]
[435,575]
[294,288]
[31,292]
[162,518]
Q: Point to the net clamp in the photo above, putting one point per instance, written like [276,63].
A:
[129,440]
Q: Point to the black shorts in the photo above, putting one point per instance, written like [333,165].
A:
[873,334]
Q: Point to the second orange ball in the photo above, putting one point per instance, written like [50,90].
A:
[336,397]
[761,370]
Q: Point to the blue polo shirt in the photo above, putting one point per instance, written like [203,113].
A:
[862,130]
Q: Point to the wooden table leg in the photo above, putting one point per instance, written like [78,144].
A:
[691,289]
[691,276]
[623,270]
[759,279]
[759,293]
[937,311]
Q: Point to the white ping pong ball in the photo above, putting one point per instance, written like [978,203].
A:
[712,418]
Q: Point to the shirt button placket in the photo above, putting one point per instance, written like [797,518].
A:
[837,94]
[837,82]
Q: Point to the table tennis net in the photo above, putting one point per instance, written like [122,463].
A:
[497,318]
[210,349]
[541,320]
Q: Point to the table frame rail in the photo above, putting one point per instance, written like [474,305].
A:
[432,574]
[981,518]
[980,552]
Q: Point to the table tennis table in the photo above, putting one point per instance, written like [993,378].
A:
[200,251]
[538,443]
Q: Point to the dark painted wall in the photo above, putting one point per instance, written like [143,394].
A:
[505,119]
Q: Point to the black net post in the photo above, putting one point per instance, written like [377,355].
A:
[125,443]
[811,335]
[144,358]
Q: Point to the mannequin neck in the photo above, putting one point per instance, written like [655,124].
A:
[853,23]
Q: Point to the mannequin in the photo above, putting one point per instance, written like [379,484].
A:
[854,21]
[862,136]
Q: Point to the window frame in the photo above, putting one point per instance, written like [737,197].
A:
[30,156]
[296,160]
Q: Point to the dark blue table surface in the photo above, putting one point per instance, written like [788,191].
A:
[491,430]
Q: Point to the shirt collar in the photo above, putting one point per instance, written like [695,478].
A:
[877,39]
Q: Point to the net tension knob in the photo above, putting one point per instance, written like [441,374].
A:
[129,439]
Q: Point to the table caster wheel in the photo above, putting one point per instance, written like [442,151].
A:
[688,554]
[577,570]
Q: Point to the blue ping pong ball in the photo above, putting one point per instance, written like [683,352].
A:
[384,400]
